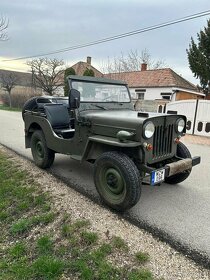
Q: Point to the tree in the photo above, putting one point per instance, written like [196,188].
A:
[8,81]
[68,71]
[47,74]
[199,58]
[89,72]
[3,26]
[132,62]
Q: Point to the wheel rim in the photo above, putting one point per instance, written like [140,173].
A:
[113,184]
[39,149]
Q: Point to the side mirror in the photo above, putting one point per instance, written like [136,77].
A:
[74,99]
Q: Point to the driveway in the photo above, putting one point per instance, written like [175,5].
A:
[178,214]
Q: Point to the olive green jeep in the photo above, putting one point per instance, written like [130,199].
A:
[97,123]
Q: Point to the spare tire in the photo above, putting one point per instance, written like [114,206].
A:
[30,105]
[33,104]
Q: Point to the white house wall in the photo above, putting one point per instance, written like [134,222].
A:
[151,93]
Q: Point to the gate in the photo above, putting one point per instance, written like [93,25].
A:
[197,113]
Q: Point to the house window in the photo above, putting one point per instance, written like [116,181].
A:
[140,93]
[160,109]
[166,95]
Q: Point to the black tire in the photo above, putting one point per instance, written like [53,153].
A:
[42,155]
[182,152]
[30,105]
[117,180]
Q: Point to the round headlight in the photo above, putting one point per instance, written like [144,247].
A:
[148,130]
[180,124]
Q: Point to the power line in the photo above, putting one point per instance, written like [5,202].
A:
[116,37]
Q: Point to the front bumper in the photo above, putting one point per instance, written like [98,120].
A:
[181,165]
[169,169]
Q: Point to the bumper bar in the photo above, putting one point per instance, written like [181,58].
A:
[181,165]
[169,169]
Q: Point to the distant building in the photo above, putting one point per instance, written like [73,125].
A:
[23,79]
[157,84]
[163,85]
[81,66]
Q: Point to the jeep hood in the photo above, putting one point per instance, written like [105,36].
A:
[109,122]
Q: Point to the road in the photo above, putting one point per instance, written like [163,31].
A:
[178,214]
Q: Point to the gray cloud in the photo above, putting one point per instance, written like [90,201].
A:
[42,26]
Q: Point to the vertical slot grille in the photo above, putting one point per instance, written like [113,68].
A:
[162,141]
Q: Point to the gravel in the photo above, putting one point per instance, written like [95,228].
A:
[164,261]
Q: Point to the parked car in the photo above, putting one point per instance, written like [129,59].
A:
[98,124]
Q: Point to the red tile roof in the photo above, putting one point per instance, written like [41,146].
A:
[81,66]
[152,78]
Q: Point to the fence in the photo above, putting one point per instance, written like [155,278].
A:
[197,113]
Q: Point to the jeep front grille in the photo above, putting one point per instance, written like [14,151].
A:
[162,141]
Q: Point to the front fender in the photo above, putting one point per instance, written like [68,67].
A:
[96,145]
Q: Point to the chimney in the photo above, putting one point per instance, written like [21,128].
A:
[89,60]
[143,67]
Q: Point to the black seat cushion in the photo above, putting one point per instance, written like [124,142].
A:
[57,115]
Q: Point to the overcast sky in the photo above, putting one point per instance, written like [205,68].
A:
[41,26]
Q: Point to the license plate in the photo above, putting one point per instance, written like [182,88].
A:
[157,176]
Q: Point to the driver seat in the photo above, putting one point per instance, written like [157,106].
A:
[58,116]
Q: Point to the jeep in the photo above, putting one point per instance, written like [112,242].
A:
[97,123]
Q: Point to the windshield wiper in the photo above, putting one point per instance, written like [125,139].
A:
[98,106]
[120,103]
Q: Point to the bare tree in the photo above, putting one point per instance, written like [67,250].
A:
[132,62]
[8,81]
[47,74]
[3,26]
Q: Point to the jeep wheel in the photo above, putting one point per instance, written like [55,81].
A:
[43,157]
[117,180]
[182,152]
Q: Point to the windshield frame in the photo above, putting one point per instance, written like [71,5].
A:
[105,82]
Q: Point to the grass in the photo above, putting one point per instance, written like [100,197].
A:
[7,108]
[119,243]
[36,243]
[142,257]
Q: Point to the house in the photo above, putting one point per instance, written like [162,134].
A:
[81,66]
[23,85]
[22,80]
[158,84]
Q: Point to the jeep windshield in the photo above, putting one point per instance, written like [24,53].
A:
[101,92]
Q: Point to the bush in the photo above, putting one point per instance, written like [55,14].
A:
[68,71]
[19,96]
[89,72]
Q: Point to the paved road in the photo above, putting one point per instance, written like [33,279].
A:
[179,214]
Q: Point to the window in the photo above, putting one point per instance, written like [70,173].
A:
[101,92]
[140,93]
[160,109]
[166,95]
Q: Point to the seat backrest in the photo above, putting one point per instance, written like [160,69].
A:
[57,114]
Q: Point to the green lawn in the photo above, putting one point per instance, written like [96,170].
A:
[37,242]
[7,108]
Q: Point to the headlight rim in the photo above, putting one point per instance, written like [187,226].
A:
[144,129]
[177,125]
